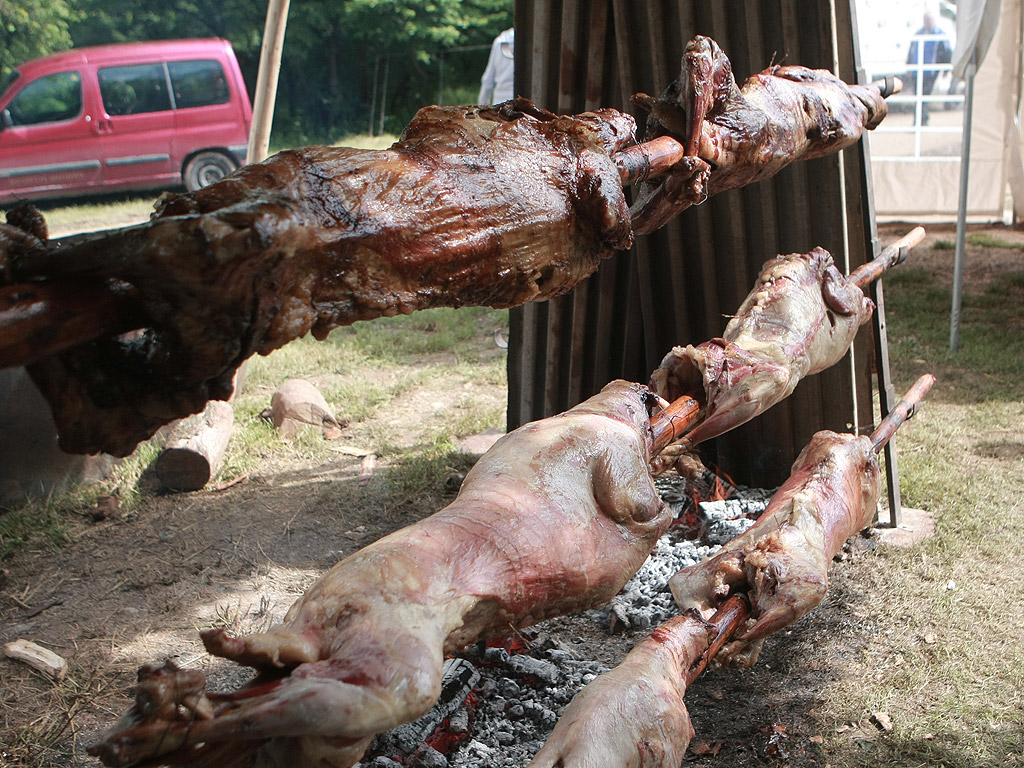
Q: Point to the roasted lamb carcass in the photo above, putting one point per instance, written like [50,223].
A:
[800,319]
[556,517]
[781,562]
[492,206]
[736,136]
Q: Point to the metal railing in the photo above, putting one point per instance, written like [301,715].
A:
[921,105]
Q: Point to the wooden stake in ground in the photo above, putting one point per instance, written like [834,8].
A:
[196,448]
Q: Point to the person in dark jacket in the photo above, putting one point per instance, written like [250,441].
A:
[929,46]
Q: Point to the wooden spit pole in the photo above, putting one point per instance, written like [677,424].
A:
[726,620]
[905,409]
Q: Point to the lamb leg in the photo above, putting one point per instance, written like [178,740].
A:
[634,715]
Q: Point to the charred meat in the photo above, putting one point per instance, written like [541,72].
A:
[523,204]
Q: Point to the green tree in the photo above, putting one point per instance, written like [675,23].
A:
[412,36]
[32,28]
[335,51]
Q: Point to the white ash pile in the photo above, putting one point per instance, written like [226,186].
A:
[498,705]
[702,527]
[500,702]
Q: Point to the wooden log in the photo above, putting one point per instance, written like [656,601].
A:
[195,449]
[298,404]
[37,657]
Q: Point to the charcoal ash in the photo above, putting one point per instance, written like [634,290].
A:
[725,519]
[502,719]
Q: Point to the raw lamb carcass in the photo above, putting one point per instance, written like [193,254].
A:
[781,562]
[492,206]
[556,517]
[800,319]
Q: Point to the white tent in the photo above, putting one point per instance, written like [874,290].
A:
[916,169]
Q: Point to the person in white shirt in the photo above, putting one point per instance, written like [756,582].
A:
[496,82]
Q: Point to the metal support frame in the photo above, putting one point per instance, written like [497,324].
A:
[887,398]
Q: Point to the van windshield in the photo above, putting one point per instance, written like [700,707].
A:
[8,81]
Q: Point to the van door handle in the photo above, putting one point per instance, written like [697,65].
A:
[103,126]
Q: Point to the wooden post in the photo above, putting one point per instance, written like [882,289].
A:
[196,448]
[266,80]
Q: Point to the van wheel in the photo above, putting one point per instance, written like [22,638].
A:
[206,168]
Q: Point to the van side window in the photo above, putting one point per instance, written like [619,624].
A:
[48,100]
[198,83]
[134,89]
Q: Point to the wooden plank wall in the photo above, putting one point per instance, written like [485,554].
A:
[678,285]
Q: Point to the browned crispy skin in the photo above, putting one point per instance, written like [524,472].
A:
[739,135]
[491,206]
[556,517]
[781,562]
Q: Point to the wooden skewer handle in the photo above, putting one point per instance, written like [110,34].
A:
[890,256]
[649,159]
[726,620]
[904,409]
[672,422]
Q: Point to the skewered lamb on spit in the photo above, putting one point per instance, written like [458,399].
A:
[473,205]
[556,517]
[762,581]
[800,319]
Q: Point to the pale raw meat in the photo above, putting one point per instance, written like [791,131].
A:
[800,319]
[634,715]
[781,562]
[556,517]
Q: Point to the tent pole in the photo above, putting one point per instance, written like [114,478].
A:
[266,80]
[961,217]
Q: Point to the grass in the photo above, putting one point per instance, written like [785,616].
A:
[981,239]
[989,365]
[948,661]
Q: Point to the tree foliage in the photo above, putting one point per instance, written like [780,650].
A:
[32,28]
[335,56]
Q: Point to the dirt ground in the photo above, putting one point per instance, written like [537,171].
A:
[133,590]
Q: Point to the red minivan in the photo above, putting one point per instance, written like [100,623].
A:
[125,116]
